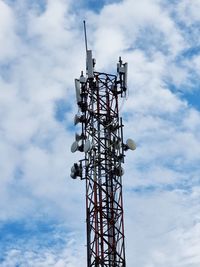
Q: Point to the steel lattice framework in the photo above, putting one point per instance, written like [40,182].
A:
[105,227]
[101,139]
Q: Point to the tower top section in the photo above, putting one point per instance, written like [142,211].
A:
[120,77]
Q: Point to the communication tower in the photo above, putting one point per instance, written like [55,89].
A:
[101,141]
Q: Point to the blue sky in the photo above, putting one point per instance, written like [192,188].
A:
[42,210]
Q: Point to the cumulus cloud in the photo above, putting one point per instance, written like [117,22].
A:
[41,51]
[32,84]
[188,12]
[8,37]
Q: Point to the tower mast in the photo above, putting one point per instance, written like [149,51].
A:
[101,140]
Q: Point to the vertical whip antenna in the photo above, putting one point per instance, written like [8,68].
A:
[85,33]
[89,59]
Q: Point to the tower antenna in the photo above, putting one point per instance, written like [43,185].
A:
[85,33]
[101,141]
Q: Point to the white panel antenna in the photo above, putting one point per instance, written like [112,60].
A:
[82,78]
[122,69]
[89,60]
[87,146]
[125,75]
[90,68]
[78,88]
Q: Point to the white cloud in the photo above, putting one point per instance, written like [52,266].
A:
[189,11]
[164,233]
[130,19]
[26,253]
[30,135]
[9,41]
[36,147]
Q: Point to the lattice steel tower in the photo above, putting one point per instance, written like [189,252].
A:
[101,140]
